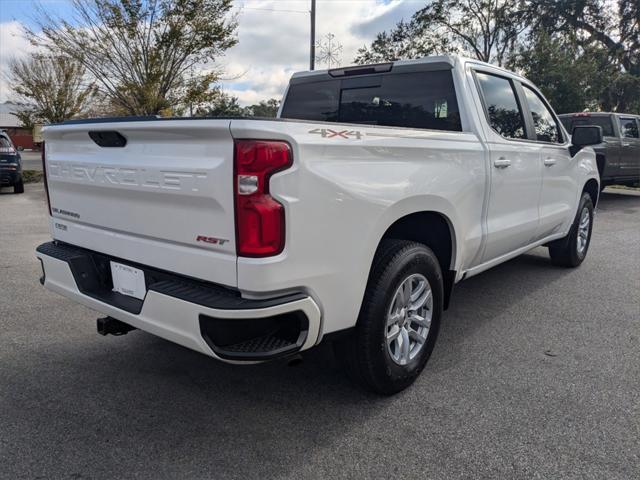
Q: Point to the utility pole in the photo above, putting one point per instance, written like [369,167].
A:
[312,44]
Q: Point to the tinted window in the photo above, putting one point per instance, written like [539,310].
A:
[313,101]
[601,121]
[415,100]
[544,124]
[4,142]
[502,107]
[628,128]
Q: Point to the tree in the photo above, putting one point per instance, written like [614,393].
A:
[595,22]
[608,33]
[265,108]
[143,53]
[53,86]
[484,29]
[582,53]
[220,105]
[563,73]
[28,117]
[224,105]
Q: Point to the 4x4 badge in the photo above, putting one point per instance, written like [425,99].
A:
[328,133]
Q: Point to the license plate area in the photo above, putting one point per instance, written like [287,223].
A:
[128,280]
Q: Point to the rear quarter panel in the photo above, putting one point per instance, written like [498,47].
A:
[342,194]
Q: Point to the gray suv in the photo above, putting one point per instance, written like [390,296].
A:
[618,155]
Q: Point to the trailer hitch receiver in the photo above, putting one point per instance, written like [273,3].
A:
[111,326]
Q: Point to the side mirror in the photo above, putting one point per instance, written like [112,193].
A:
[584,136]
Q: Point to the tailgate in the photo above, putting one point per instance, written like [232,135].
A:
[164,199]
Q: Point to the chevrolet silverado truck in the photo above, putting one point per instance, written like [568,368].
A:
[349,218]
[618,156]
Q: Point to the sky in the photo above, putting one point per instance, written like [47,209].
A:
[273,37]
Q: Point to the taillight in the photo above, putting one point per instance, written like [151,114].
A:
[44,176]
[260,230]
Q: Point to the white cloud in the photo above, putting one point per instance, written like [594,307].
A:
[12,44]
[273,40]
[274,43]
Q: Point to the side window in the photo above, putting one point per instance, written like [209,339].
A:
[505,115]
[545,125]
[628,128]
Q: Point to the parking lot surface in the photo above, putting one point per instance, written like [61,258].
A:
[536,374]
[31,161]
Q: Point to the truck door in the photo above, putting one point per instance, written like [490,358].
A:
[516,170]
[559,184]
[630,154]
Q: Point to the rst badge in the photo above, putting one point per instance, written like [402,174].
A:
[211,240]
[328,133]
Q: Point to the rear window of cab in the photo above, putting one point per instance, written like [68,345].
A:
[425,100]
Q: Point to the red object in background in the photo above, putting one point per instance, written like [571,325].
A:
[22,138]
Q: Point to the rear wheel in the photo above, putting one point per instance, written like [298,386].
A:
[572,250]
[399,319]
[18,187]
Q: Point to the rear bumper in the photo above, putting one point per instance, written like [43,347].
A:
[204,317]
[9,178]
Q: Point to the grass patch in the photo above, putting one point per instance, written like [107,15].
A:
[31,176]
[624,187]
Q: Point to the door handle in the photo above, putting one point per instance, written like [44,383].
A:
[549,162]
[502,162]
[626,144]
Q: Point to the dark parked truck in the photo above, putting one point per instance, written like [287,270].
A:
[10,165]
[618,156]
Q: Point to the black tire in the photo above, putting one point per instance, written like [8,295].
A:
[365,353]
[565,252]
[18,187]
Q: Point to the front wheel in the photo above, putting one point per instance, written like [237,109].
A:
[399,318]
[571,250]
[18,187]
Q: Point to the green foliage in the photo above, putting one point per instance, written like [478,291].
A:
[225,105]
[53,86]
[143,53]
[583,54]
[221,105]
[32,176]
[603,33]
[401,43]
[484,29]
[265,108]
[560,71]
[28,117]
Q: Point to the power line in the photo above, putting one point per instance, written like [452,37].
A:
[306,12]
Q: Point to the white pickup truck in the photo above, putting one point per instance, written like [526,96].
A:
[350,217]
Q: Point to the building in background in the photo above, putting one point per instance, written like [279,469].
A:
[22,138]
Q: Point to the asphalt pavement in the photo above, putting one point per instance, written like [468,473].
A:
[31,161]
[536,374]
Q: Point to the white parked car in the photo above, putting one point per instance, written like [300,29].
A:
[350,217]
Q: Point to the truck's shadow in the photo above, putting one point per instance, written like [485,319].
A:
[144,397]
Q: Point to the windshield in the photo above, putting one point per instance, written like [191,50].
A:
[415,100]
